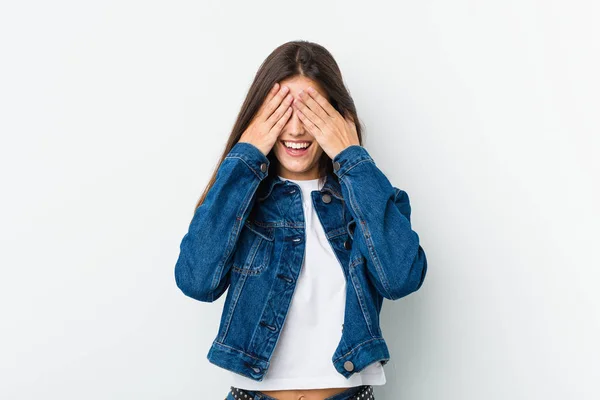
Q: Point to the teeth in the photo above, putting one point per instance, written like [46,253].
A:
[296,145]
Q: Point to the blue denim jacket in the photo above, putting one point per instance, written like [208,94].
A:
[249,236]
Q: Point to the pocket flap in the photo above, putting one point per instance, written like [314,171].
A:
[260,230]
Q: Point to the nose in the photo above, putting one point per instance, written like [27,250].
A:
[294,125]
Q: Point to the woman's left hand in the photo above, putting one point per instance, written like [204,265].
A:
[330,129]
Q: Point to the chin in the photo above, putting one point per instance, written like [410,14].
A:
[296,166]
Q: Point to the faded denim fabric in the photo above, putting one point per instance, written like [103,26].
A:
[249,237]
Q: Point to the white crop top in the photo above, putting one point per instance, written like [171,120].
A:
[313,326]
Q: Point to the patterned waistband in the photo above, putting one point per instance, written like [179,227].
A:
[363,392]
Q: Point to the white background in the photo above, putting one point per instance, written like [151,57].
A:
[114,113]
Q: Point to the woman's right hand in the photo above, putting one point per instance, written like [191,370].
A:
[265,127]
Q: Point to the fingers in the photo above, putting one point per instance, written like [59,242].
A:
[311,96]
[270,95]
[273,103]
[278,127]
[281,109]
[310,110]
[266,101]
[310,126]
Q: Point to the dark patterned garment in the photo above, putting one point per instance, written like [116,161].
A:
[363,392]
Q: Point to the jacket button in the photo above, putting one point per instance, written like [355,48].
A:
[336,165]
[347,244]
[348,366]
[326,198]
[263,167]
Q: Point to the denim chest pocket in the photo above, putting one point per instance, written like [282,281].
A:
[254,248]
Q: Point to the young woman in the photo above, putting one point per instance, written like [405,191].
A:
[308,236]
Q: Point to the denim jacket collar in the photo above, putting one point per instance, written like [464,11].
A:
[331,186]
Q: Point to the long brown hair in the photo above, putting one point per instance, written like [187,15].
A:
[299,57]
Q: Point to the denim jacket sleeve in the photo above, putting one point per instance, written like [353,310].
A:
[395,260]
[205,256]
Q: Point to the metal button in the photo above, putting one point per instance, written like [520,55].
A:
[348,244]
[336,165]
[326,198]
[263,167]
[348,366]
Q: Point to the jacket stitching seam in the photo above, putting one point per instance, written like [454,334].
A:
[361,299]
[348,168]
[245,271]
[239,351]
[367,237]
[245,162]
[256,249]
[231,242]
[232,306]
[356,261]
[228,253]
[336,232]
[356,347]
[255,332]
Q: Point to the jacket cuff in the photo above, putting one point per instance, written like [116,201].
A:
[252,157]
[348,158]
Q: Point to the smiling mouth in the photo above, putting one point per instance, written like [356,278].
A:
[306,144]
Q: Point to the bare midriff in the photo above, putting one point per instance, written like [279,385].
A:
[305,394]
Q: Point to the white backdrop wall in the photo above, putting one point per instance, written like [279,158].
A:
[114,113]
